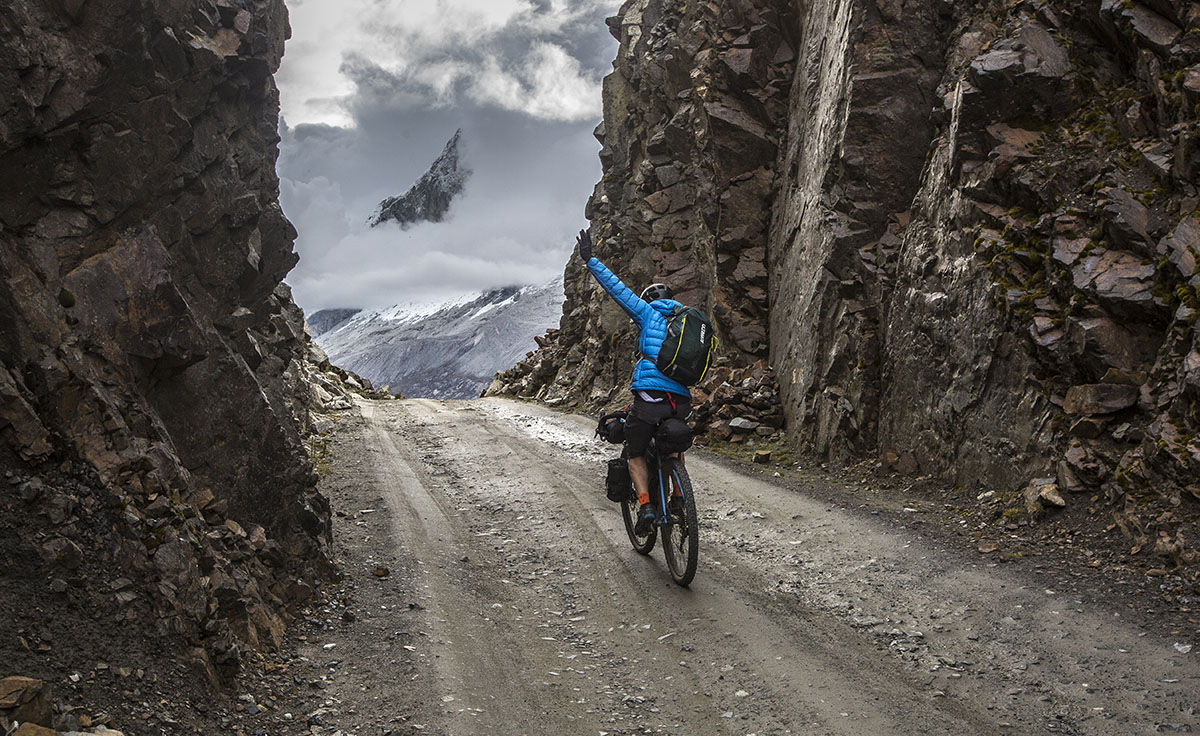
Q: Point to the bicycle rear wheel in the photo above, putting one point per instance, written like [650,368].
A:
[681,536]
[629,510]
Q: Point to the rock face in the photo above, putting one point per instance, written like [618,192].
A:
[445,351]
[153,389]
[429,199]
[690,140]
[964,235]
[327,319]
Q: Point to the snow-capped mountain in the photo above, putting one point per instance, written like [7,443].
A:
[449,350]
[429,199]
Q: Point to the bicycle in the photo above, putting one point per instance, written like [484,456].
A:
[674,504]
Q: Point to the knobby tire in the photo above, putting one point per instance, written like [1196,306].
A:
[629,510]
[681,537]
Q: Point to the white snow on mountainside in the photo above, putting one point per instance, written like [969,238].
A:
[449,350]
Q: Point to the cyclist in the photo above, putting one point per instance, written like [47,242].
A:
[655,397]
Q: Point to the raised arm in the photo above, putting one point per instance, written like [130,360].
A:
[637,309]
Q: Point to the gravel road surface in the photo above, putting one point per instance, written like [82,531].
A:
[512,603]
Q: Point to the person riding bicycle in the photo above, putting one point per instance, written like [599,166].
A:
[655,396]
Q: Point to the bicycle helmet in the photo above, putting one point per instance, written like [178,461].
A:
[654,292]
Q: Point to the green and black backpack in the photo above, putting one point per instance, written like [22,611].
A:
[686,353]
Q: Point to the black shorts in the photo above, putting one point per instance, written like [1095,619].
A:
[645,416]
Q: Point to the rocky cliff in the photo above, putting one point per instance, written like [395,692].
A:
[964,235]
[152,364]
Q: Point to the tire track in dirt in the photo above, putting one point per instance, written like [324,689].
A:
[804,618]
[718,623]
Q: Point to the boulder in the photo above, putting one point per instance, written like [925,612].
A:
[24,699]
[743,424]
[1099,398]
[1067,479]
[1041,492]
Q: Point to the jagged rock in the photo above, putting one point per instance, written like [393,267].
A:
[62,552]
[1152,30]
[1099,398]
[1088,427]
[1191,82]
[1042,491]
[1067,479]
[1084,467]
[1102,343]
[743,424]
[1119,279]
[24,699]
[1182,246]
[1126,219]
[154,365]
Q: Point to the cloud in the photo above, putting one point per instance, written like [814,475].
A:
[513,224]
[371,91]
[515,54]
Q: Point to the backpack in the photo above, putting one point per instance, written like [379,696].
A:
[687,350]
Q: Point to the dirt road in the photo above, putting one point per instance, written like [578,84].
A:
[514,604]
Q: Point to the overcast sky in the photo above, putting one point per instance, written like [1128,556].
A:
[371,90]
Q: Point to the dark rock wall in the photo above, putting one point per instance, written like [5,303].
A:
[148,346]
[1045,268]
[858,128]
[690,140]
[983,230]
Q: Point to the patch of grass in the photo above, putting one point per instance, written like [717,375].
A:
[320,453]
[781,454]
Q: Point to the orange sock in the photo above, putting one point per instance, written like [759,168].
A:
[643,498]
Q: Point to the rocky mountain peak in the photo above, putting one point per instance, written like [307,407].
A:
[429,199]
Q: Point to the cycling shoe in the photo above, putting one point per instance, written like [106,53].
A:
[645,522]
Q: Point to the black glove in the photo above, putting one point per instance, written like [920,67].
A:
[584,243]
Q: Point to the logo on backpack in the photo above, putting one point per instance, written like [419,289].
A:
[686,352]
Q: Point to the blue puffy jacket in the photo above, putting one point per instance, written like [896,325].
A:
[651,319]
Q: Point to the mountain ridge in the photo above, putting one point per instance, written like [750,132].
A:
[448,349]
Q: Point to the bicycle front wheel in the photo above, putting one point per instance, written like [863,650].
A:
[681,534]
